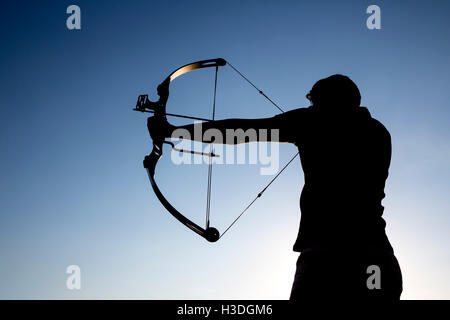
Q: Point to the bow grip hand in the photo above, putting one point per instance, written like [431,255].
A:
[159,128]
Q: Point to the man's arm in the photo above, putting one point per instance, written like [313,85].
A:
[235,131]
[281,128]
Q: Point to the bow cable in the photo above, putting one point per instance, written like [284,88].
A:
[259,195]
[259,90]
[278,174]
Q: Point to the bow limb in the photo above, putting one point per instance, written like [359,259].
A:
[219,62]
[150,161]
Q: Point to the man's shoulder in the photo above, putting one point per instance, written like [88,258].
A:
[295,113]
[379,131]
[378,126]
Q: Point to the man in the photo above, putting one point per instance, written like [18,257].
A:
[345,156]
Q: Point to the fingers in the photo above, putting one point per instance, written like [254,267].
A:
[158,127]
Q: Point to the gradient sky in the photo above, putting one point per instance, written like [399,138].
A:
[72,187]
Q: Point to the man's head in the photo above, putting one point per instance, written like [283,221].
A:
[335,93]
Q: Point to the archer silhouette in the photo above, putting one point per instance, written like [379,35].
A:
[345,155]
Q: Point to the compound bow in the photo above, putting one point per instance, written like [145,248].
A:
[158,108]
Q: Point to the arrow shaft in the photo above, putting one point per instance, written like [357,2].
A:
[174,115]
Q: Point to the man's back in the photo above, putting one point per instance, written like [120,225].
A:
[345,159]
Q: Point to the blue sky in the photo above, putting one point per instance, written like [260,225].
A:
[73,190]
